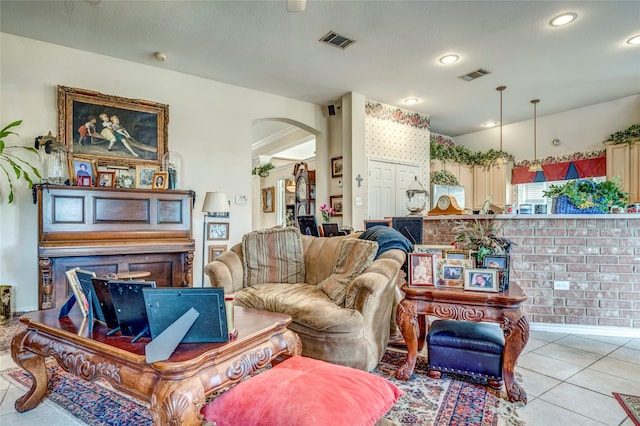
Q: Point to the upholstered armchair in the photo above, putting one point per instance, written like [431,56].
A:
[339,292]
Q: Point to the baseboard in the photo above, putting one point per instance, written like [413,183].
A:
[594,330]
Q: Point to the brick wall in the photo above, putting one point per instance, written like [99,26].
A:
[598,254]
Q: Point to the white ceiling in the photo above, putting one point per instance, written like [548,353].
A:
[259,45]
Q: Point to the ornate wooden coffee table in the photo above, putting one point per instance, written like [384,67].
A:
[175,389]
[504,308]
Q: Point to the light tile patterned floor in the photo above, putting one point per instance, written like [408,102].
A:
[568,378]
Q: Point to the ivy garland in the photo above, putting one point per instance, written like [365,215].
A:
[462,155]
[628,136]
[444,177]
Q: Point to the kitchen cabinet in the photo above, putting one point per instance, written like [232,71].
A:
[624,161]
[492,180]
[462,172]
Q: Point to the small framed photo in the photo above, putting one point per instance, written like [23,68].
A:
[215,251]
[160,180]
[336,203]
[481,280]
[76,289]
[421,269]
[456,254]
[217,231]
[106,179]
[144,176]
[495,262]
[336,167]
[450,272]
[267,199]
[83,171]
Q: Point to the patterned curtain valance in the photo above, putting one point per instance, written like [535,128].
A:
[577,169]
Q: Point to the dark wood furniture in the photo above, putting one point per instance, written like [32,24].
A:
[305,195]
[504,308]
[175,389]
[112,231]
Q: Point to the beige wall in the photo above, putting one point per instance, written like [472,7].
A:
[210,125]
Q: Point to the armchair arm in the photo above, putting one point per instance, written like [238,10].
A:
[378,279]
[226,271]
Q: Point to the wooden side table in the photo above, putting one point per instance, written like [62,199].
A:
[504,308]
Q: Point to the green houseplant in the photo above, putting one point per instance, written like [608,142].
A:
[263,170]
[11,163]
[587,194]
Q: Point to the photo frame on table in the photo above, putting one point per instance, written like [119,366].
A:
[457,254]
[421,269]
[484,279]
[501,264]
[336,167]
[215,251]
[160,180]
[106,179]
[81,170]
[335,202]
[308,225]
[144,175]
[217,231]
[108,129]
[76,289]
[268,195]
[450,272]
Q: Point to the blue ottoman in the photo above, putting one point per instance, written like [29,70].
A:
[470,348]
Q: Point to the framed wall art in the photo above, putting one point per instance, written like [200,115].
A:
[215,251]
[110,129]
[481,280]
[217,231]
[336,167]
[145,174]
[106,179]
[160,180]
[336,203]
[267,199]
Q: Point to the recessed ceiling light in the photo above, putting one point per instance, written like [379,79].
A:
[449,59]
[563,19]
[411,101]
[490,124]
[634,40]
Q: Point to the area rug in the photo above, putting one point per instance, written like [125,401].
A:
[453,400]
[8,330]
[631,405]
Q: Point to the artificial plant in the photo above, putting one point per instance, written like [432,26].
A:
[11,163]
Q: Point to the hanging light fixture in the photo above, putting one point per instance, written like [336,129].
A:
[535,166]
[500,160]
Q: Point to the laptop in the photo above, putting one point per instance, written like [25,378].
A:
[165,305]
[129,307]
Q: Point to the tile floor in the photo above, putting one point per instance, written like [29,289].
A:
[568,378]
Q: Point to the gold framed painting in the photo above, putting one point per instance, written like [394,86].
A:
[145,174]
[215,251]
[111,129]
[267,199]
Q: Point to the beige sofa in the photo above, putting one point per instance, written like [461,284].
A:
[352,330]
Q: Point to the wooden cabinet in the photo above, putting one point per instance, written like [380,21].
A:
[305,195]
[624,161]
[109,230]
[495,181]
[462,172]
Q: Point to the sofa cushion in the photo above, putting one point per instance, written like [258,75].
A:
[306,304]
[303,391]
[273,256]
[354,256]
[387,239]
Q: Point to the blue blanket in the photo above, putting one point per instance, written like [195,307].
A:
[387,239]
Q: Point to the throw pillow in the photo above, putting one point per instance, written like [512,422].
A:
[387,239]
[273,256]
[354,256]
[303,392]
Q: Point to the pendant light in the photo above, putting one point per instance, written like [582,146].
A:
[500,160]
[535,166]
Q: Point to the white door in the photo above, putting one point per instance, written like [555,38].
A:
[387,183]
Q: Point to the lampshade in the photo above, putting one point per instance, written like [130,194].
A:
[535,166]
[216,204]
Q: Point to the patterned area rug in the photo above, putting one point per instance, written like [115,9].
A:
[631,405]
[452,400]
[8,330]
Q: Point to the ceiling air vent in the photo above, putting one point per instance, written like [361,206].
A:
[474,74]
[337,40]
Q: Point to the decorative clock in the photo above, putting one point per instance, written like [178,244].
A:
[446,204]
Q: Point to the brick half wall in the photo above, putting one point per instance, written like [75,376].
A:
[598,254]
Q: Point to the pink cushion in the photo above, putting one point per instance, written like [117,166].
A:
[304,391]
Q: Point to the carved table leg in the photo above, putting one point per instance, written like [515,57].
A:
[177,402]
[515,340]
[407,319]
[35,365]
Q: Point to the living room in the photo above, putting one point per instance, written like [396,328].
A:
[211,127]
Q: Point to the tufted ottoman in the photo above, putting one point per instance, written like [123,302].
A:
[471,348]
